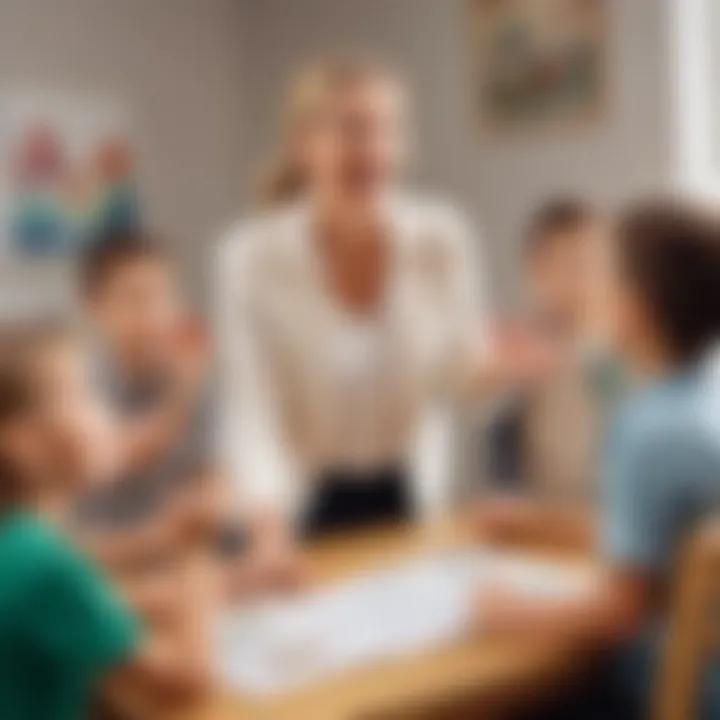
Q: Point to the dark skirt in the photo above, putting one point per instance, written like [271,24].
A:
[346,500]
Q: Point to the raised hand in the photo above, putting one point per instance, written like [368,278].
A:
[520,356]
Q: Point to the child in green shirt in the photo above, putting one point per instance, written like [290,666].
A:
[64,634]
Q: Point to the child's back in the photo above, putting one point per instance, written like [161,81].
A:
[662,469]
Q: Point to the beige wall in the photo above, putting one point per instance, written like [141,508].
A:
[497,180]
[176,65]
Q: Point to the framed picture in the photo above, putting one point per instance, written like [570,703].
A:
[67,174]
[538,63]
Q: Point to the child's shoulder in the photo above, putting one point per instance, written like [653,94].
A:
[32,551]
[24,532]
[670,424]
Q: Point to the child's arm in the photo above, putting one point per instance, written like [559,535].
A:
[146,438]
[644,489]
[117,550]
[190,519]
[153,596]
[163,669]
[174,658]
[611,609]
[205,507]
[520,521]
[76,620]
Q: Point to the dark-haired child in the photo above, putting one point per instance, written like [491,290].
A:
[661,460]
[64,635]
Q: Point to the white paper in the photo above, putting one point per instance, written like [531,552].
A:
[278,646]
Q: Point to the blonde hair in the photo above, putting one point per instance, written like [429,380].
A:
[310,93]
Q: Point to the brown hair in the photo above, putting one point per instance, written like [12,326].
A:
[309,94]
[669,250]
[22,348]
[101,260]
[561,214]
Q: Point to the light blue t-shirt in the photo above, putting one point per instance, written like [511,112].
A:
[661,477]
[661,471]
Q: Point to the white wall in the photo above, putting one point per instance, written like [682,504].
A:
[497,180]
[202,79]
[177,66]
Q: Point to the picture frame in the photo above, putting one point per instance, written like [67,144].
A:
[538,64]
[68,174]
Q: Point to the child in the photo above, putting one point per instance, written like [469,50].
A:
[660,465]
[152,368]
[542,445]
[64,636]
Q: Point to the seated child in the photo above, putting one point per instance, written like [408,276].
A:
[64,635]
[542,445]
[661,460]
[152,368]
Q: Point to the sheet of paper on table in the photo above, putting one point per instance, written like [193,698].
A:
[281,645]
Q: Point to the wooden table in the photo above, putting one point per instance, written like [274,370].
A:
[474,672]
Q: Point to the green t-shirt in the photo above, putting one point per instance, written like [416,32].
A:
[61,626]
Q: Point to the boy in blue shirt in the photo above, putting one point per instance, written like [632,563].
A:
[661,464]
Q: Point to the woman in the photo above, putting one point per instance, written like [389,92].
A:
[348,315]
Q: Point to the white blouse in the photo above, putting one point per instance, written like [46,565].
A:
[308,387]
